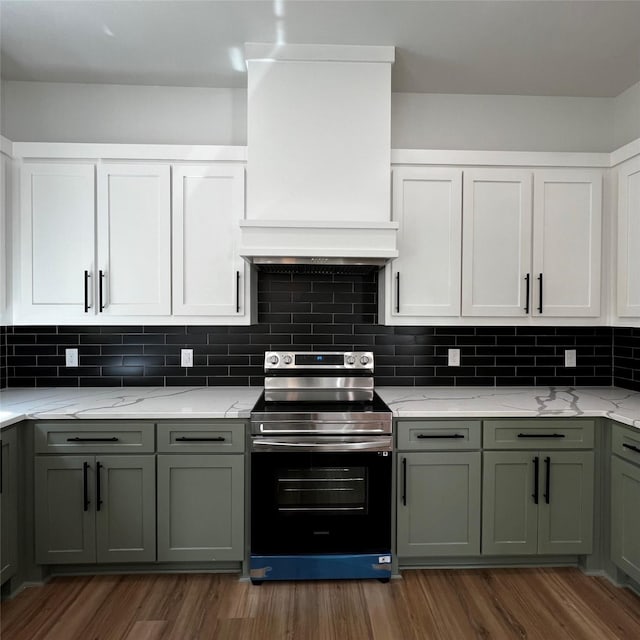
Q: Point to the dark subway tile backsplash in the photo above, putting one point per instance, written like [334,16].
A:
[318,312]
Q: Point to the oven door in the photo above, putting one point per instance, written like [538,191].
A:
[324,495]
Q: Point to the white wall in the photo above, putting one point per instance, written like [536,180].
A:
[62,112]
[626,116]
[510,123]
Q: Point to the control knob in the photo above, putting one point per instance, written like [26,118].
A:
[287,359]
[274,359]
[351,359]
[364,359]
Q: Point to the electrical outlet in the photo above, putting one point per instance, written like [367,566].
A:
[71,357]
[186,357]
[454,357]
[569,357]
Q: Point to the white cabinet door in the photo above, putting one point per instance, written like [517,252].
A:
[209,277]
[57,222]
[496,242]
[425,279]
[567,238]
[629,239]
[134,239]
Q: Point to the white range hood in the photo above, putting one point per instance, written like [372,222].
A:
[318,171]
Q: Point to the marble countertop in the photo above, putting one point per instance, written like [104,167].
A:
[126,403]
[514,402]
[155,403]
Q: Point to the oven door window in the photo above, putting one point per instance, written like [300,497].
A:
[309,502]
[327,490]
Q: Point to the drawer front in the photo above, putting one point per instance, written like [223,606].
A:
[94,437]
[226,436]
[626,443]
[429,435]
[541,433]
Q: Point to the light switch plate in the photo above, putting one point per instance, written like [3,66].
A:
[186,357]
[569,357]
[454,357]
[70,357]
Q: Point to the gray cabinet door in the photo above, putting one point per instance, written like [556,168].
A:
[625,516]
[439,504]
[8,504]
[565,512]
[64,510]
[509,512]
[125,508]
[200,507]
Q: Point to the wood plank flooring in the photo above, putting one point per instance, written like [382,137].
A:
[545,604]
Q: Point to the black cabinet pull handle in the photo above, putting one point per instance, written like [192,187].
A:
[547,490]
[541,435]
[100,290]
[87,306]
[237,292]
[632,447]
[398,292]
[527,279]
[187,439]
[98,492]
[404,481]
[540,281]
[85,485]
[1,467]
[92,439]
[536,478]
[447,435]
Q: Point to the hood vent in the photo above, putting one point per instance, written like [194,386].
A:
[319,152]
[319,266]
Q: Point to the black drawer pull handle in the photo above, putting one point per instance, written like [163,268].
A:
[527,279]
[87,306]
[186,439]
[100,281]
[541,435]
[237,292]
[92,439]
[447,435]
[540,305]
[398,292]
[98,487]
[404,482]
[85,486]
[632,447]
[536,479]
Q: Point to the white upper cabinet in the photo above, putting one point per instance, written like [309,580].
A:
[532,253]
[629,239]
[424,281]
[567,237]
[134,239]
[209,277]
[57,221]
[496,242]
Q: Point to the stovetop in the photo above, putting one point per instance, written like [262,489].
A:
[376,405]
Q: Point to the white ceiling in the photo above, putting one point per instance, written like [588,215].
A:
[535,47]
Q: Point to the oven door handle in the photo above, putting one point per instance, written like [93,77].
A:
[380,444]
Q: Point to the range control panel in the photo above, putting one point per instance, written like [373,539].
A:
[318,360]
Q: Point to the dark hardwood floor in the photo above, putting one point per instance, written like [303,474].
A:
[545,604]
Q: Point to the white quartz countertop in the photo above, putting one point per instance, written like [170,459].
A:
[155,403]
[513,402]
[126,403]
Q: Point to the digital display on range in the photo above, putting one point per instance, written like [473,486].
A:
[310,359]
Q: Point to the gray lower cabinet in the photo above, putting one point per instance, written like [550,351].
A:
[200,507]
[625,501]
[537,502]
[8,504]
[95,509]
[439,504]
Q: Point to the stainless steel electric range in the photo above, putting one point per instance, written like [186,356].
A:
[321,465]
